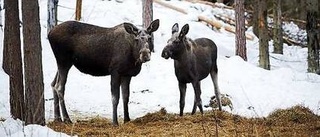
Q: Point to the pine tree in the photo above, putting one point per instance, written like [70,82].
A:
[12,59]
[52,14]
[241,49]
[263,36]
[147,16]
[78,9]
[34,89]
[313,36]
[277,27]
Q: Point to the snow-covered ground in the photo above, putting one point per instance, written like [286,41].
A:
[255,92]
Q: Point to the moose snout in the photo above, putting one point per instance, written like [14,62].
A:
[165,53]
[145,55]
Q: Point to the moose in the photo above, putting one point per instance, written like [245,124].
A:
[118,51]
[193,61]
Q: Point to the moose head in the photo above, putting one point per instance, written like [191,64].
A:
[143,39]
[177,43]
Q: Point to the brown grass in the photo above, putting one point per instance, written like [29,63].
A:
[296,121]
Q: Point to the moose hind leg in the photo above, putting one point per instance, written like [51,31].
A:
[125,87]
[214,77]
[182,88]
[197,99]
[60,88]
[56,108]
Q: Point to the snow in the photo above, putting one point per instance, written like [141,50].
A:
[255,92]
[292,31]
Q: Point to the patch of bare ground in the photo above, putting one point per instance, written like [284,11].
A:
[297,121]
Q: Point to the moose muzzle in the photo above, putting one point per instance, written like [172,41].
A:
[166,53]
[145,55]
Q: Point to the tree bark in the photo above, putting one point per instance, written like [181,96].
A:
[277,27]
[12,60]
[1,23]
[303,6]
[78,10]
[263,36]
[255,21]
[52,14]
[147,16]
[33,63]
[241,49]
[313,36]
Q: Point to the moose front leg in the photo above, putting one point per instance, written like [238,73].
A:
[125,87]
[182,88]
[197,98]
[115,93]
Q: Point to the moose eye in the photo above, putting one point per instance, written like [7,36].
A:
[176,41]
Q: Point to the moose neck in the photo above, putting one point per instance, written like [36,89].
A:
[186,53]
[185,58]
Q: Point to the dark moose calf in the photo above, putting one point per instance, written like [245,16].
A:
[193,61]
[118,51]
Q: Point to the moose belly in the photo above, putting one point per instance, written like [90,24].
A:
[184,76]
[92,67]
[187,75]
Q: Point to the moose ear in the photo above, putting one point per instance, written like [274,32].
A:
[175,28]
[131,29]
[153,26]
[184,31]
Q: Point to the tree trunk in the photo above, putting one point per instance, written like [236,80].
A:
[277,28]
[263,36]
[313,36]
[12,60]
[1,23]
[241,49]
[255,21]
[52,14]
[303,6]
[78,10]
[147,16]
[33,63]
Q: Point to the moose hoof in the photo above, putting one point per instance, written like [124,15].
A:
[115,124]
[193,112]
[57,120]
[67,121]
[126,120]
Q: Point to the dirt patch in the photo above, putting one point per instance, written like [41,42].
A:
[295,121]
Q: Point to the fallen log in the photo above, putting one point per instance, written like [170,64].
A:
[212,23]
[164,4]
[292,42]
[210,4]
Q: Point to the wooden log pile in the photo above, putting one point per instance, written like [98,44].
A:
[213,23]
[228,24]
